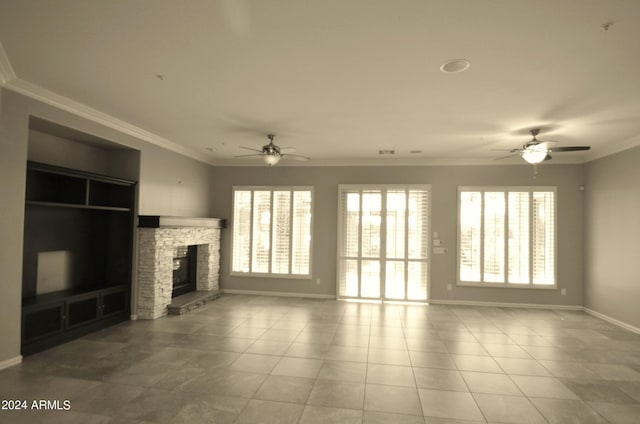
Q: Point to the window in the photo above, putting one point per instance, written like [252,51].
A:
[383,240]
[272,231]
[507,236]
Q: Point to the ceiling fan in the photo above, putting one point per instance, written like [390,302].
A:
[271,153]
[536,151]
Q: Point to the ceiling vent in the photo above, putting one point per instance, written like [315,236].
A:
[386,152]
[455,66]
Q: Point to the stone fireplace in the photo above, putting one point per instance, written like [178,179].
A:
[158,238]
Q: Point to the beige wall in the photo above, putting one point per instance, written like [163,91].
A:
[174,185]
[47,148]
[13,155]
[612,230]
[58,151]
[444,182]
[169,184]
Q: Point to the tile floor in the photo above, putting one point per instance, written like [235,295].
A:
[250,359]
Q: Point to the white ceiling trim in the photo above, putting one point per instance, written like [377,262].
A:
[608,150]
[6,70]
[69,105]
[9,81]
[397,162]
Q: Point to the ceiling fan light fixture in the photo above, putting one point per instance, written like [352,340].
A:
[271,159]
[534,154]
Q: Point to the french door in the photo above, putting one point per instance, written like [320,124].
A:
[383,242]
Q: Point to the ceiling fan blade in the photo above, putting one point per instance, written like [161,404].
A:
[251,148]
[246,156]
[505,157]
[296,157]
[287,149]
[569,149]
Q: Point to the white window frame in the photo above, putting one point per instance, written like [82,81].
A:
[384,188]
[506,283]
[270,274]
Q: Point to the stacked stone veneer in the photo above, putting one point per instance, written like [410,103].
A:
[155,264]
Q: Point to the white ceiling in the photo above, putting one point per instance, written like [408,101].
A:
[337,79]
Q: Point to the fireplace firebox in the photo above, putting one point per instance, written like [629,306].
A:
[184,269]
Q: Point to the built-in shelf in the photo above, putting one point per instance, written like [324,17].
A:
[86,221]
[47,184]
[77,206]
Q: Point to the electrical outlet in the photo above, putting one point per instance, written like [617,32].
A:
[563,292]
[449,286]
[318,281]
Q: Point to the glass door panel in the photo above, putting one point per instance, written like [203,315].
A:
[383,242]
[394,280]
[417,281]
[370,279]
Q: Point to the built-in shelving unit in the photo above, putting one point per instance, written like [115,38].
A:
[77,254]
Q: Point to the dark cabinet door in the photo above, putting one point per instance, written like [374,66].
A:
[114,301]
[82,309]
[40,321]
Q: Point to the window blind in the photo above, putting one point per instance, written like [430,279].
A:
[272,230]
[506,235]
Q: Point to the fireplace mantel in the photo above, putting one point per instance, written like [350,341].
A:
[158,221]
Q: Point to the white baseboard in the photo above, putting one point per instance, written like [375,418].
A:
[504,304]
[277,293]
[611,320]
[10,362]
[453,303]
[431,301]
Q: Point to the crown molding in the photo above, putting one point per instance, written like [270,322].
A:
[6,70]
[79,109]
[401,162]
[9,80]
[609,150]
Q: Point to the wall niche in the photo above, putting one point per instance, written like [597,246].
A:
[80,199]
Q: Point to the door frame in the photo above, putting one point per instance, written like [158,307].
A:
[384,189]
